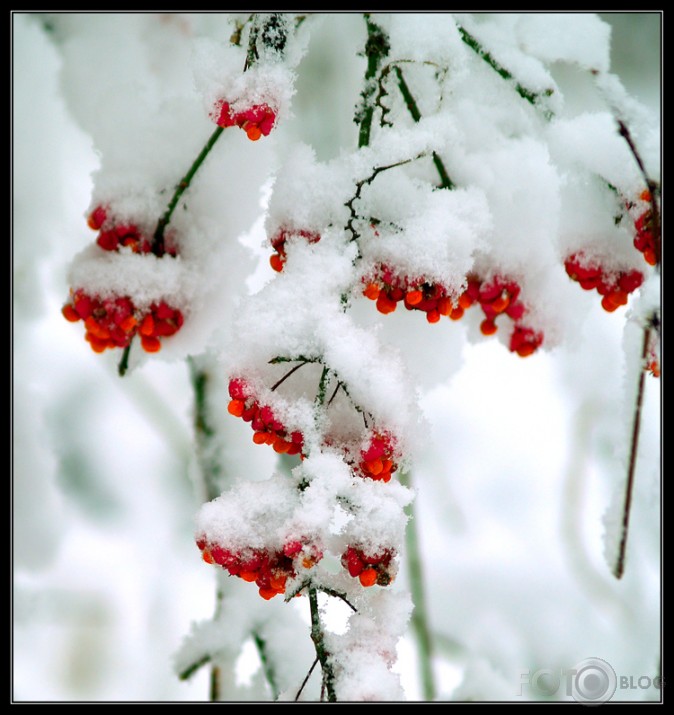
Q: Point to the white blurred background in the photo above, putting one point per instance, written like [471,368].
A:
[525,459]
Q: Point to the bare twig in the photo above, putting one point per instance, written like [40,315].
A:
[306,679]
[619,567]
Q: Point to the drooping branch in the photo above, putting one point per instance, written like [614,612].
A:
[532,97]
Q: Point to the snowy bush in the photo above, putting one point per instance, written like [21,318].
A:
[438,313]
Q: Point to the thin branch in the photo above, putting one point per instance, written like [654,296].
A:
[364,182]
[193,667]
[619,568]
[341,596]
[334,394]
[530,96]
[413,109]
[306,679]
[158,238]
[287,375]
[319,643]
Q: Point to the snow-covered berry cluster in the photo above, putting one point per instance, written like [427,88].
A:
[644,238]
[369,569]
[278,242]
[257,120]
[613,285]
[496,296]
[269,570]
[112,320]
[379,459]
[267,428]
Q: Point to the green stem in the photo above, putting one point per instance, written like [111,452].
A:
[158,238]
[319,643]
[530,96]
[413,109]
[619,568]
[376,48]
[306,679]
[322,386]
[124,360]
[420,620]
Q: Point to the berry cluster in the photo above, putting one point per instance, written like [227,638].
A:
[495,296]
[377,461]
[614,286]
[267,428]
[644,239]
[113,322]
[278,242]
[369,569]
[113,236]
[256,121]
[389,289]
[269,570]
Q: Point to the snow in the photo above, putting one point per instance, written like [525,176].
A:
[517,465]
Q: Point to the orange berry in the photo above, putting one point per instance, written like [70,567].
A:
[465,301]
[69,313]
[609,304]
[281,446]
[236,408]
[645,195]
[457,313]
[368,577]
[385,305]
[207,557]
[649,255]
[248,576]
[444,306]
[128,324]
[276,262]
[260,438]
[375,466]
[501,303]
[526,349]
[654,368]
[414,297]
[253,131]
[433,316]
[147,326]
[372,291]
[150,344]
[268,593]
[488,327]
[97,345]
[278,582]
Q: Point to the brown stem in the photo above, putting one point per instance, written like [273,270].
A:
[619,568]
